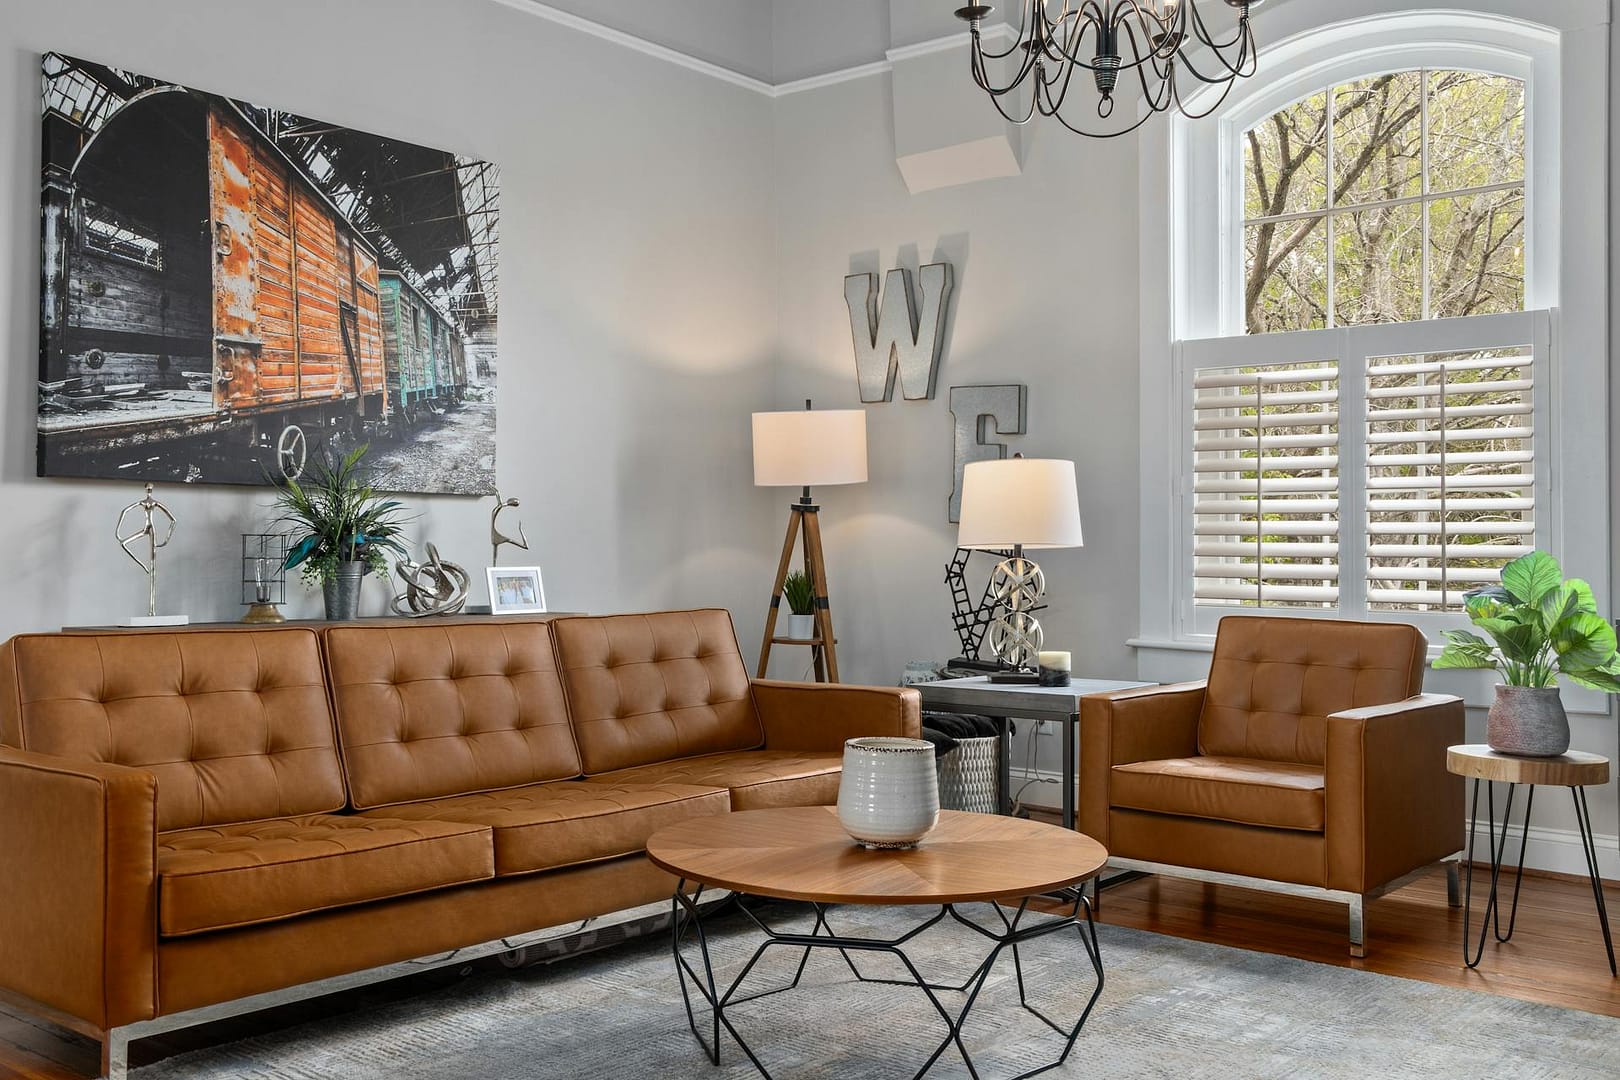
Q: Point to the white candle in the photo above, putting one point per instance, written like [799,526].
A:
[1055,661]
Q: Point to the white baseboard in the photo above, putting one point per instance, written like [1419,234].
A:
[1555,850]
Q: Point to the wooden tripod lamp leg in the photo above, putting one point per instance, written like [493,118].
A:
[794,518]
[816,567]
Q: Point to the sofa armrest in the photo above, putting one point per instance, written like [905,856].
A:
[1391,805]
[1149,723]
[78,854]
[820,716]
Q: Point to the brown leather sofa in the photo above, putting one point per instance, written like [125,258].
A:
[1309,761]
[191,818]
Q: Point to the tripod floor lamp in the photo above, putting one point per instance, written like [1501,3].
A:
[805,449]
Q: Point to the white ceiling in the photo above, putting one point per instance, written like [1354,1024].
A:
[775,41]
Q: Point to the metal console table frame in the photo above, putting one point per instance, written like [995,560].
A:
[687,918]
[1004,702]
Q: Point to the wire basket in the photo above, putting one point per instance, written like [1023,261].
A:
[967,776]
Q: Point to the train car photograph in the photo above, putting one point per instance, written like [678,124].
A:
[228,289]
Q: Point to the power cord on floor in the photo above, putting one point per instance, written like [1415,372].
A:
[1029,767]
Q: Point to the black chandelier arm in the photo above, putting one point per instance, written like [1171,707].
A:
[1242,40]
[1245,66]
[981,77]
[1216,104]
[1145,117]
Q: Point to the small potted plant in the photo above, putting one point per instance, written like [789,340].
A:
[801,624]
[1540,627]
[345,526]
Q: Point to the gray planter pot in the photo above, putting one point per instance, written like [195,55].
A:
[1527,720]
[343,592]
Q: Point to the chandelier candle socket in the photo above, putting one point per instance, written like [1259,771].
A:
[1146,43]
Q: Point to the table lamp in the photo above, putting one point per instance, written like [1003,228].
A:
[1010,505]
[801,449]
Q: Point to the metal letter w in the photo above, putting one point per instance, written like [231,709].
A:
[897,337]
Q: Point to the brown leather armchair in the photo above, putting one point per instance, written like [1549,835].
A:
[1310,761]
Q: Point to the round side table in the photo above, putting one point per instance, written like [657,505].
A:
[1574,770]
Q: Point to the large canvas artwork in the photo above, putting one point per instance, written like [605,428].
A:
[229,290]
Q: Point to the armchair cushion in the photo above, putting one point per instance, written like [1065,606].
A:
[1273,682]
[757,779]
[1240,790]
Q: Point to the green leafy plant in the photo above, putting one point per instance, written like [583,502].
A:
[800,597]
[1542,627]
[341,517]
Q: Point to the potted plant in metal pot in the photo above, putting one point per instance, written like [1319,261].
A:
[346,526]
[1540,626]
[801,600]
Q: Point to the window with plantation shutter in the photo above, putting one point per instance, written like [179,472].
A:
[1266,485]
[1370,471]
[1451,474]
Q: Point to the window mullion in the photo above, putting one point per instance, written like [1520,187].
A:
[1353,516]
[1423,182]
[1328,219]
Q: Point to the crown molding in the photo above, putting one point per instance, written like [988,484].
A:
[640,45]
[736,78]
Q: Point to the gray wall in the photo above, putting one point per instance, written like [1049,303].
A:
[1045,267]
[638,324]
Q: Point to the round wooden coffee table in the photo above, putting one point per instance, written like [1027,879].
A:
[1575,770]
[804,854]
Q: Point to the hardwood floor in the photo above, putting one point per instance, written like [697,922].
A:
[1556,957]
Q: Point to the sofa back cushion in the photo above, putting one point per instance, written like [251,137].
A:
[648,688]
[1274,682]
[428,711]
[234,724]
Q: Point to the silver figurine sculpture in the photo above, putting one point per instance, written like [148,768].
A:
[496,537]
[150,508]
[435,587]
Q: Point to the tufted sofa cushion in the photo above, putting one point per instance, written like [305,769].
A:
[568,822]
[649,688]
[429,711]
[234,724]
[1273,682]
[236,875]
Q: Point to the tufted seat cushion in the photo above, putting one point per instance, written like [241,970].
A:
[757,779]
[1274,682]
[429,711]
[1270,793]
[653,688]
[569,822]
[236,875]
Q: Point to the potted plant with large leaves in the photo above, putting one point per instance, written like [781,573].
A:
[346,526]
[1540,627]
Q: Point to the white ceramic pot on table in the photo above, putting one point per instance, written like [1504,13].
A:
[888,796]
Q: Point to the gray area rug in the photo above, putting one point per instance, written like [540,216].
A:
[1170,1008]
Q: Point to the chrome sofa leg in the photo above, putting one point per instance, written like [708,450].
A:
[1358,926]
[115,1055]
[1453,885]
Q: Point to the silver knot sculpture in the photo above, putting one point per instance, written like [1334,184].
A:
[435,587]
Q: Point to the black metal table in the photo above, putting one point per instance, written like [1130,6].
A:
[994,863]
[1483,765]
[1003,703]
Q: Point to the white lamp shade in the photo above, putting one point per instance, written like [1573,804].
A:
[809,447]
[1027,501]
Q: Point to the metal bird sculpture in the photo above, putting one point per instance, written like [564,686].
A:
[496,537]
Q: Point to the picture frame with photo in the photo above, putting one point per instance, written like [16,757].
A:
[515,590]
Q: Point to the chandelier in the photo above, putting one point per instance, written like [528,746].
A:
[1110,40]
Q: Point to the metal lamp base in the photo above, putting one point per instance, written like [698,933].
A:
[1017,585]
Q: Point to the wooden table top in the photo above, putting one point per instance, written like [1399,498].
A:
[1574,769]
[803,853]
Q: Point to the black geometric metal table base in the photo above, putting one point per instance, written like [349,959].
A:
[1491,918]
[1009,936]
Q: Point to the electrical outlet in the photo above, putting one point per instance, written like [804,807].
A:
[1046,727]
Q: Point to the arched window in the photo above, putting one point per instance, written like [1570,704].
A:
[1365,248]
[1391,198]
